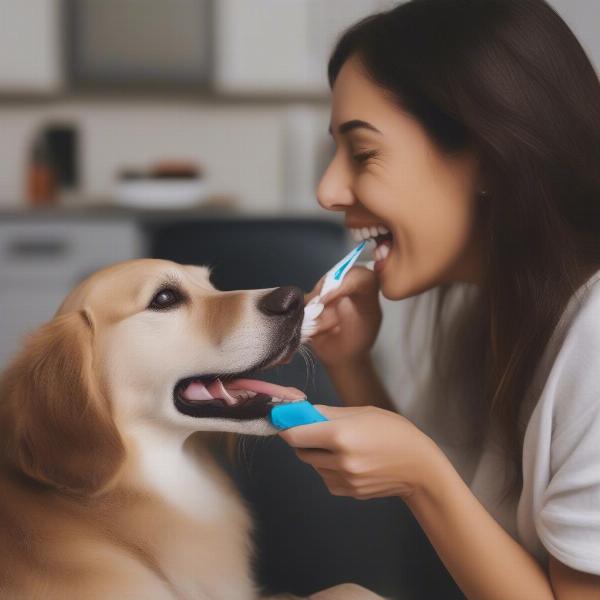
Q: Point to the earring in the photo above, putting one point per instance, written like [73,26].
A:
[483,192]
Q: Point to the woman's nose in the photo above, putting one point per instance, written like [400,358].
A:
[334,191]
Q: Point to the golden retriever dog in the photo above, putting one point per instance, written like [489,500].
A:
[107,489]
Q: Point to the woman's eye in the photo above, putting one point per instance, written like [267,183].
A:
[363,157]
[166,298]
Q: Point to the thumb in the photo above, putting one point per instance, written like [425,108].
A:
[359,280]
[339,412]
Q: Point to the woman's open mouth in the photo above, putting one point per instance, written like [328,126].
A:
[382,237]
[231,397]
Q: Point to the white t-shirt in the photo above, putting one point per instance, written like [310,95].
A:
[558,511]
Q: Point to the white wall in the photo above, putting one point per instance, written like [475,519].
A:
[583,17]
[264,155]
[242,149]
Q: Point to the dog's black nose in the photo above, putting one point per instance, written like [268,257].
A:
[282,301]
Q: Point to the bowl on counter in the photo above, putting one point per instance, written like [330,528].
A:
[167,185]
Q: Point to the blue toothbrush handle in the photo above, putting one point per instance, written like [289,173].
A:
[292,414]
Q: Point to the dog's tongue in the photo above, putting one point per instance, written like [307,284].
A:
[264,387]
[197,391]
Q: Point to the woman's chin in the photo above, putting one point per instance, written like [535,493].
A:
[390,280]
[393,282]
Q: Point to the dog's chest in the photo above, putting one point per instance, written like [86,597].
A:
[183,482]
[201,529]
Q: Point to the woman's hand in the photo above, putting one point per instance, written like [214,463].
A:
[366,452]
[348,326]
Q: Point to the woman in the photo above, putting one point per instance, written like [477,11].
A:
[470,131]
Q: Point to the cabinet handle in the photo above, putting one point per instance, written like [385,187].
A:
[37,248]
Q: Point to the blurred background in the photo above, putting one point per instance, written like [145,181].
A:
[196,130]
[111,109]
[116,113]
[234,89]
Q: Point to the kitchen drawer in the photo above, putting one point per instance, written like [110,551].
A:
[40,262]
[63,252]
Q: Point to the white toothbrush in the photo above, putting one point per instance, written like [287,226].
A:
[333,280]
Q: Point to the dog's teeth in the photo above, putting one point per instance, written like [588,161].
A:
[276,400]
[242,394]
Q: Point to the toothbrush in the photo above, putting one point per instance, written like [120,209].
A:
[291,414]
[333,280]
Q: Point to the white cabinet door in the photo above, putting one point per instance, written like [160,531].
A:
[40,262]
[281,46]
[30,46]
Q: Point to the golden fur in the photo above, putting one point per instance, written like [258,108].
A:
[107,491]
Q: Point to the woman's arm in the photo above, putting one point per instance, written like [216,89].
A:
[365,452]
[484,560]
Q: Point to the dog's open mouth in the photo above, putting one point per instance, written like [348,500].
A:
[237,395]
[231,398]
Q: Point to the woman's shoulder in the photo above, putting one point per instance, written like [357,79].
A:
[573,381]
[581,319]
[561,454]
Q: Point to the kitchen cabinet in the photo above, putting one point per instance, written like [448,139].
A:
[30,47]
[41,261]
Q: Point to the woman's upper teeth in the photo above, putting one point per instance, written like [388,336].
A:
[366,233]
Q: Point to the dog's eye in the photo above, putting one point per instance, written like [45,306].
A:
[165,298]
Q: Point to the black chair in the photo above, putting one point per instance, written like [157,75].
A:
[306,539]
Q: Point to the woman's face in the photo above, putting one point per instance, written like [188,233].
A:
[387,173]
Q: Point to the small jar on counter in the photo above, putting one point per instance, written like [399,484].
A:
[41,178]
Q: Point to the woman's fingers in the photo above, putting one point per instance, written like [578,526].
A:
[358,280]
[319,459]
[327,320]
[324,435]
[315,435]
[339,412]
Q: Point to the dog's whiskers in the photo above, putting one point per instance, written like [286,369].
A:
[307,355]
[241,450]
[246,451]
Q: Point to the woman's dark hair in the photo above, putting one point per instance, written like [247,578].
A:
[507,80]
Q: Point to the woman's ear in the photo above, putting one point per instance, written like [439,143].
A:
[57,424]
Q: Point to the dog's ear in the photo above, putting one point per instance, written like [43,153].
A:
[57,423]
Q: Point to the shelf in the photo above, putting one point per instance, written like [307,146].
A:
[153,96]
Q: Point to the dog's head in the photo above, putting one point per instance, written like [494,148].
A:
[143,341]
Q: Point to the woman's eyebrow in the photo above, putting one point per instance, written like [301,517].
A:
[355,124]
